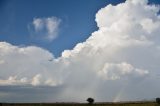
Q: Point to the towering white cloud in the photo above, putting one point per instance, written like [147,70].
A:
[115,63]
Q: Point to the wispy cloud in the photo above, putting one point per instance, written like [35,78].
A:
[45,28]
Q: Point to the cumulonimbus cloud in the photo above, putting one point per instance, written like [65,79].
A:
[123,52]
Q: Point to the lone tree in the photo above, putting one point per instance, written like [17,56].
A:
[158,100]
[90,100]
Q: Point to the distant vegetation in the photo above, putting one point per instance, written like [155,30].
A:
[90,103]
[90,100]
[158,100]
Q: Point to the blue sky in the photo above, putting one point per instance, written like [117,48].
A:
[78,21]
[114,50]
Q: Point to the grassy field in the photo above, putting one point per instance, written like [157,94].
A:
[83,104]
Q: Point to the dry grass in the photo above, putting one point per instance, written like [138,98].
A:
[83,104]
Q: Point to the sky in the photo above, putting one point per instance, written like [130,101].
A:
[69,50]
[77,22]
